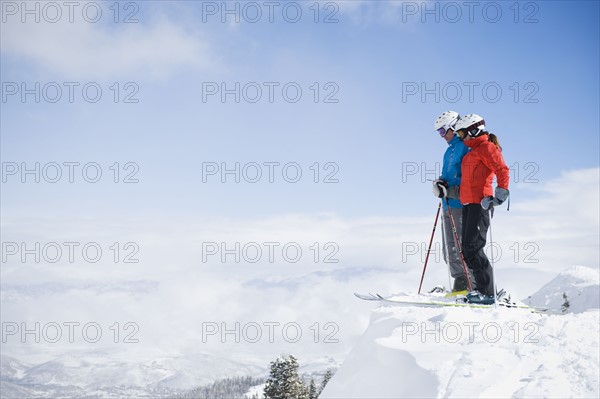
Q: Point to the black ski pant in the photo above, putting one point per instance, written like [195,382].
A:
[475,224]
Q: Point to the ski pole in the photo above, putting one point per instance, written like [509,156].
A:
[437,215]
[462,258]
[446,253]
[492,261]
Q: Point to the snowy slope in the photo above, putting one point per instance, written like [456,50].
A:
[11,368]
[581,284]
[110,374]
[256,391]
[463,352]
[457,352]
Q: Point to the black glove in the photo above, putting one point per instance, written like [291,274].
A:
[440,188]
[453,192]
[500,195]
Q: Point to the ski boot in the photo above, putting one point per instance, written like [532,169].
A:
[460,287]
[479,298]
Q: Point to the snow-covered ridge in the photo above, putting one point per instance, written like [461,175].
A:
[465,352]
[457,352]
[580,284]
[108,374]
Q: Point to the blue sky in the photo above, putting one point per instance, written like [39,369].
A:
[377,140]
[371,55]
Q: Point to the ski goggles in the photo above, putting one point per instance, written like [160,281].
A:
[474,132]
[476,129]
[443,130]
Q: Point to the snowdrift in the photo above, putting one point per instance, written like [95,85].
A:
[464,352]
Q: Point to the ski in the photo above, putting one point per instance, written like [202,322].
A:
[440,301]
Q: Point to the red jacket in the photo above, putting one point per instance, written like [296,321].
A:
[478,169]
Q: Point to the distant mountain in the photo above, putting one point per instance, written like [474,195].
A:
[108,374]
[339,274]
[581,285]
[11,368]
[102,374]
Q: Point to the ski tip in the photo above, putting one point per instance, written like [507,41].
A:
[369,297]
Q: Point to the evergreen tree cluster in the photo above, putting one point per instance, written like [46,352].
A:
[230,388]
[284,382]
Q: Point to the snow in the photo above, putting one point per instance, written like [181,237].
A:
[112,374]
[404,352]
[457,352]
[256,390]
[463,352]
[581,284]
[12,368]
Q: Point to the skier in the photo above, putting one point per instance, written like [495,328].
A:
[447,188]
[478,169]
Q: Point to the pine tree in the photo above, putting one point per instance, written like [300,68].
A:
[326,378]
[284,381]
[272,388]
[566,304]
[312,390]
[234,387]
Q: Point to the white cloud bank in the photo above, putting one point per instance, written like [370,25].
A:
[105,51]
[170,293]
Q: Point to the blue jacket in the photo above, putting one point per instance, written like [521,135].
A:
[451,169]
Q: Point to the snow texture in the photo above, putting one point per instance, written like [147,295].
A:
[464,352]
[405,352]
[102,374]
[256,391]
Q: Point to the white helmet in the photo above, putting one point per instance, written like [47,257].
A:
[473,124]
[446,120]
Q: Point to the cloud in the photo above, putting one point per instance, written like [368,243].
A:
[170,293]
[96,51]
[387,13]
[576,190]
[561,221]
